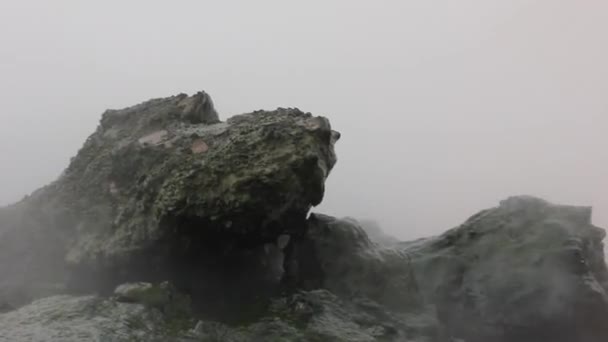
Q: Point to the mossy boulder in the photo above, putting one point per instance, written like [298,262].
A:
[163,190]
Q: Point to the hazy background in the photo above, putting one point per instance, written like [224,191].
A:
[445,107]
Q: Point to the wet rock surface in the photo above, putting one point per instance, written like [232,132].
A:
[170,225]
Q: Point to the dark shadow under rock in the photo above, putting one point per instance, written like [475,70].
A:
[337,254]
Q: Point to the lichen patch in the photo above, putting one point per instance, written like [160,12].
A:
[155,138]
[199,146]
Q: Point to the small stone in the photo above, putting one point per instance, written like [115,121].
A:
[131,292]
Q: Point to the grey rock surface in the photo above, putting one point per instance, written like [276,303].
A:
[527,270]
[132,292]
[84,319]
[337,254]
[376,234]
[306,316]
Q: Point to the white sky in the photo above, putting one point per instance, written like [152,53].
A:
[445,107]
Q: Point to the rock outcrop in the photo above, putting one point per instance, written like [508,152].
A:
[337,254]
[525,271]
[164,191]
[170,225]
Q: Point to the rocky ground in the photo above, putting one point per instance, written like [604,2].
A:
[170,225]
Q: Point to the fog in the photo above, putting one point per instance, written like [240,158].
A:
[445,107]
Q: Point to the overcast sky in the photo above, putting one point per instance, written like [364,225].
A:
[445,107]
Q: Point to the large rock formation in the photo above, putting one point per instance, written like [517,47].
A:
[170,225]
[525,271]
[337,254]
[164,191]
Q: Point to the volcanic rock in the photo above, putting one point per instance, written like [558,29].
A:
[169,225]
[525,271]
[164,191]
